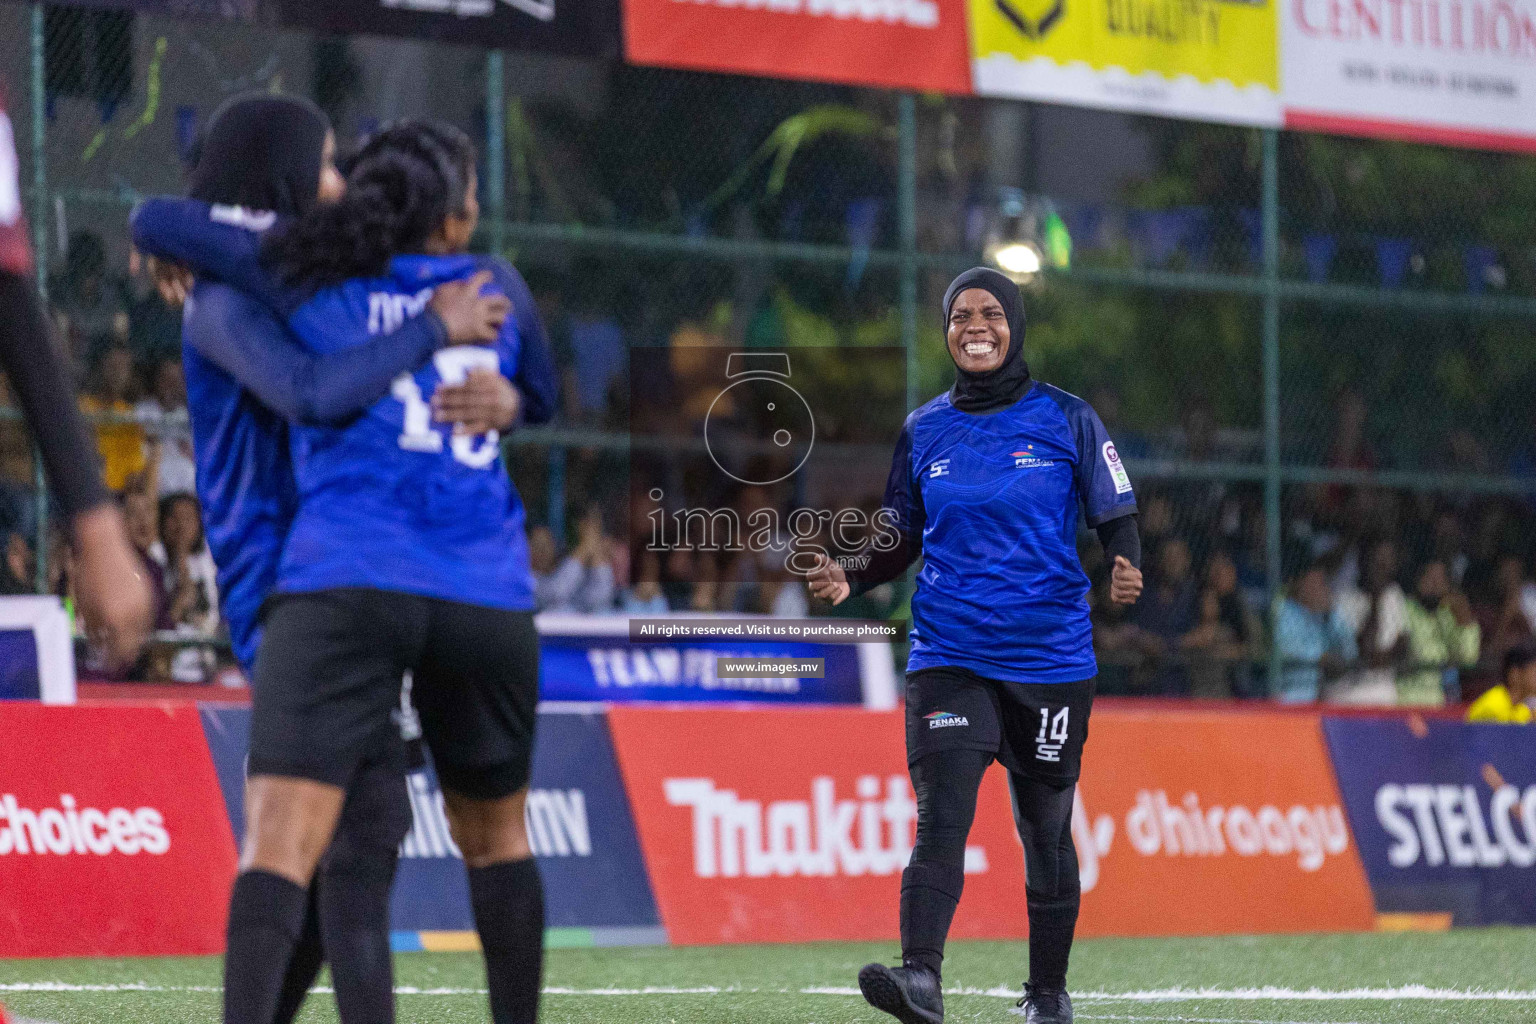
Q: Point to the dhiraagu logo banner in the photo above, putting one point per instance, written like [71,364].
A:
[1212,60]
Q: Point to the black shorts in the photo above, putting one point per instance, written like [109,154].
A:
[328,678]
[1033,729]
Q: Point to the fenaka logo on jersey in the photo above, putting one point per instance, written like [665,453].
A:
[1117,471]
[945,720]
[1033,18]
[1027,459]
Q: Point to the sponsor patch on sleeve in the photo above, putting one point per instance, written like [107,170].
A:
[1117,471]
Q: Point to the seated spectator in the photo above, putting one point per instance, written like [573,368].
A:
[192,592]
[1443,638]
[1507,616]
[164,417]
[1211,646]
[154,328]
[1167,609]
[18,492]
[111,389]
[584,582]
[17,571]
[190,577]
[1314,640]
[1221,646]
[1512,701]
[1377,613]
[90,307]
[645,596]
[1125,652]
[543,558]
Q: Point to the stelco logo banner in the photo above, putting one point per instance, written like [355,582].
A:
[1207,59]
[113,840]
[746,843]
[1445,813]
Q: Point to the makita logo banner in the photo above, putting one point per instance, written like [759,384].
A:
[794,824]
[817,838]
[104,813]
[1445,814]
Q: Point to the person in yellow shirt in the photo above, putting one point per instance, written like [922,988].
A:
[112,390]
[1512,701]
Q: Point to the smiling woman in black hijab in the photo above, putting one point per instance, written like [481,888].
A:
[1005,383]
[988,484]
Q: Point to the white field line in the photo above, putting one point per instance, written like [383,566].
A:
[1264,994]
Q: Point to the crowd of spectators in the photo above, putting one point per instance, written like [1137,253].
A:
[1389,596]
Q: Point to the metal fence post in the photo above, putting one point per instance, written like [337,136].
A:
[494,187]
[40,253]
[1272,525]
[906,204]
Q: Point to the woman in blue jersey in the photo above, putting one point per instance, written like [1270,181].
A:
[988,484]
[407,552]
[273,156]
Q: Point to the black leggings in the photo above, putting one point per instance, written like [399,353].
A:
[946,784]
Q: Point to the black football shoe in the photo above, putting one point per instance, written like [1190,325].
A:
[909,993]
[1045,1005]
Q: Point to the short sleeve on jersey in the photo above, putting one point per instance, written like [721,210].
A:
[1103,485]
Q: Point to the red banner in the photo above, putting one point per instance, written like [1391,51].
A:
[899,44]
[113,836]
[794,825]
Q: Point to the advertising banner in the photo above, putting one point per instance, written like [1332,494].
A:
[599,668]
[1459,72]
[1240,807]
[578,824]
[37,650]
[795,825]
[113,840]
[1214,60]
[1445,813]
[898,44]
[588,28]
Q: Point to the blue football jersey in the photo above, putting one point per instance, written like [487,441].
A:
[393,500]
[993,502]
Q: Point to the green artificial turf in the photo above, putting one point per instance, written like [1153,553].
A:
[778,984]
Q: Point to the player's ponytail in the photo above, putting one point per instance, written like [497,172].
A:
[401,185]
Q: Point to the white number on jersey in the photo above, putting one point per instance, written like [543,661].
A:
[417,433]
[1052,736]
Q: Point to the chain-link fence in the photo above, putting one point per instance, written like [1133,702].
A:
[1301,344]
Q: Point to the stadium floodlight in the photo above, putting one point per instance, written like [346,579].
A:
[1026,236]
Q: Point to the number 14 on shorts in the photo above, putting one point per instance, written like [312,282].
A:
[1052,735]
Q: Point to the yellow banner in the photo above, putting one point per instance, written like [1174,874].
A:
[1211,41]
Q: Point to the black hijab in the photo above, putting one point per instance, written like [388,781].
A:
[1001,387]
[262,152]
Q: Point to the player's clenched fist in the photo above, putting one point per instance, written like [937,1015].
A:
[1124,581]
[828,581]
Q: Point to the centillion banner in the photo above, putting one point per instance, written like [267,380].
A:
[1213,60]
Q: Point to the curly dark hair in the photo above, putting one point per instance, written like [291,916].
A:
[402,183]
